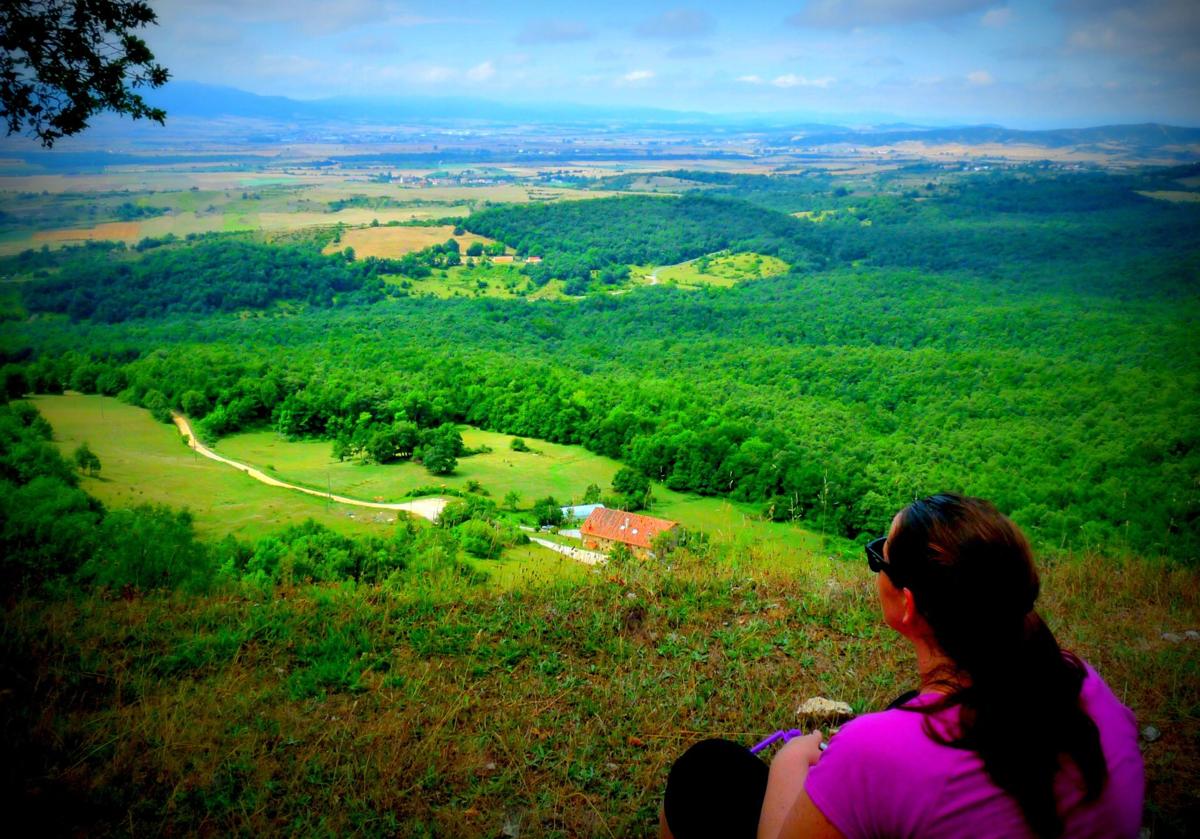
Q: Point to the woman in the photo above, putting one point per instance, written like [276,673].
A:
[1008,735]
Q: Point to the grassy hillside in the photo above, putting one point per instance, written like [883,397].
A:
[553,710]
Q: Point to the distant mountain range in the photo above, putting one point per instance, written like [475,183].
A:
[1145,135]
[192,99]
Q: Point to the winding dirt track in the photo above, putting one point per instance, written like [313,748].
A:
[426,508]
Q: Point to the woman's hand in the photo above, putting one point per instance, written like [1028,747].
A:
[786,809]
[805,750]
[789,768]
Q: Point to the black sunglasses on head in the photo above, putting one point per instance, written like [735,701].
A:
[875,560]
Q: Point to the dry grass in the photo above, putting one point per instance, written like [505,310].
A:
[320,712]
[394,242]
[1178,196]
[126,231]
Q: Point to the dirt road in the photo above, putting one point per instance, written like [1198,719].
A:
[586,557]
[426,508]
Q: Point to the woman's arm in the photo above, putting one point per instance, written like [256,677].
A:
[787,811]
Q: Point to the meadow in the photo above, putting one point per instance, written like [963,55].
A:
[146,461]
[553,710]
[721,270]
[549,469]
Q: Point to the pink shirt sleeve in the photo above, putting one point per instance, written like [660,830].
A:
[865,779]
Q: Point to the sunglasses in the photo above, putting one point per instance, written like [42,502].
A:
[875,560]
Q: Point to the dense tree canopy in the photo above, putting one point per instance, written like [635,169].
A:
[1044,360]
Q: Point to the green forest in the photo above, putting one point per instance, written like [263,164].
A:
[1042,359]
[1028,336]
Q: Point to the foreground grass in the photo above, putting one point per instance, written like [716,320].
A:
[553,711]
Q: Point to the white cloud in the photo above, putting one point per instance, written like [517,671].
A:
[980,78]
[751,79]
[998,17]
[792,80]
[481,72]
[637,76]
[434,74]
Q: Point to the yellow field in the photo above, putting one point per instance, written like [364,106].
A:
[124,231]
[394,242]
[1176,195]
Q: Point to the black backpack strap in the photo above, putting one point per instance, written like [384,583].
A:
[902,698]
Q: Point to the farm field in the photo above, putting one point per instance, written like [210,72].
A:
[58,210]
[551,469]
[394,242]
[722,270]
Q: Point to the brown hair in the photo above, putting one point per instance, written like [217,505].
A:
[971,573]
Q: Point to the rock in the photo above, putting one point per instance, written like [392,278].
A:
[1173,637]
[819,706]
[1150,734]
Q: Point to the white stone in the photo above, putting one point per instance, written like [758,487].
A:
[819,706]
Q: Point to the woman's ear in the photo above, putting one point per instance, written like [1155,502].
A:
[910,608]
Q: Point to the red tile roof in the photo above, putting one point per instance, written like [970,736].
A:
[621,526]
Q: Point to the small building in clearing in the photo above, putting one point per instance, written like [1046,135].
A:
[580,512]
[606,528]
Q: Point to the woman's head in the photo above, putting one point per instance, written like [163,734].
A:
[969,570]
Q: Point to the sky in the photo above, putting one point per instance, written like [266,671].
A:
[1049,63]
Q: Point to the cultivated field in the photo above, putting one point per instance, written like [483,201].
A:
[394,242]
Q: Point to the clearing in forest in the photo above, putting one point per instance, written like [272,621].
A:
[394,242]
[549,469]
[722,269]
[144,461]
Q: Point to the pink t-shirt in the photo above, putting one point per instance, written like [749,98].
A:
[882,776]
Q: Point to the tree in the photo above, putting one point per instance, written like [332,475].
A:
[512,499]
[630,482]
[475,249]
[439,459]
[548,511]
[86,460]
[61,62]
[591,495]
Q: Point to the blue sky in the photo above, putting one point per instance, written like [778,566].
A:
[1022,64]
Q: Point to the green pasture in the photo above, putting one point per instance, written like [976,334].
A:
[722,270]
[481,280]
[144,461]
[550,469]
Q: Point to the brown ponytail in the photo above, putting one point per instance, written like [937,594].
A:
[971,573]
